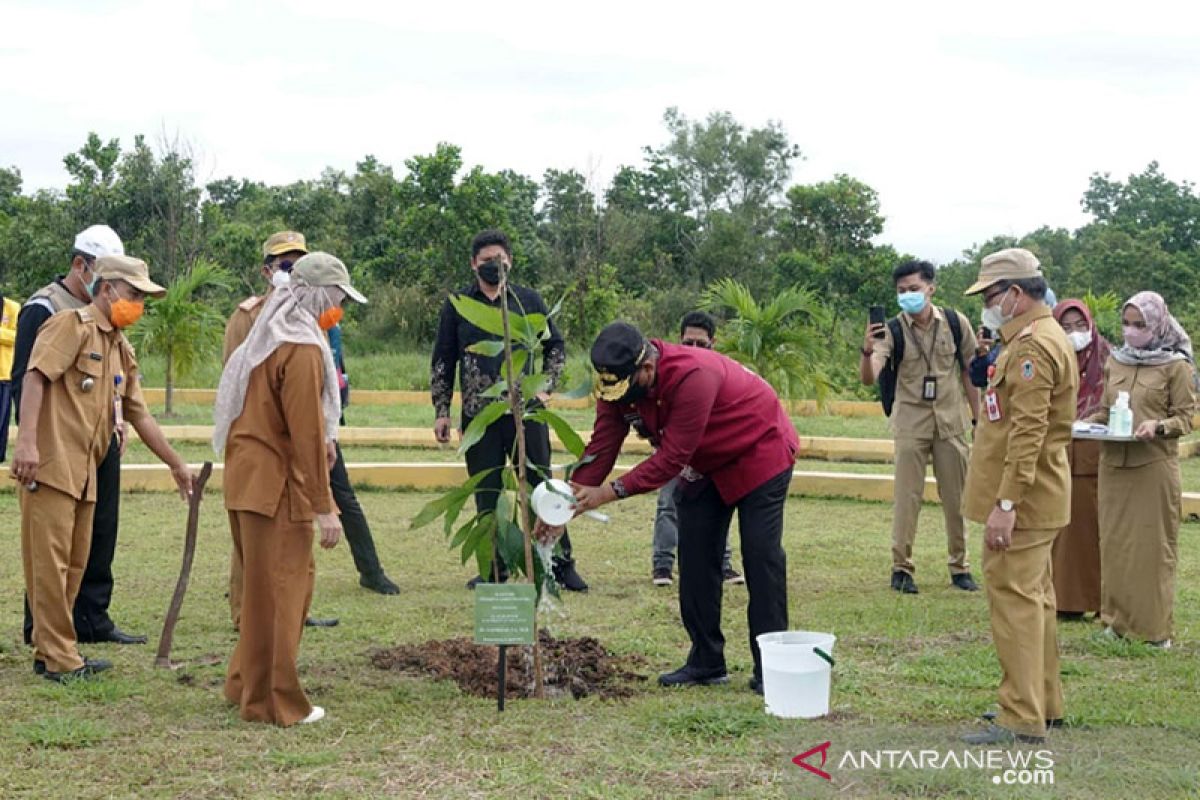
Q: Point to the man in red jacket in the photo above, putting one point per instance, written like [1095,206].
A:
[722,430]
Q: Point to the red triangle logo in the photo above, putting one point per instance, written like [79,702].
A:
[823,749]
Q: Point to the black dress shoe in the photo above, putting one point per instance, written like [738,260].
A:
[903,582]
[1071,616]
[964,581]
[478,579]
[568,578]
[319,622]
[378,583]
[90,667]
[118,636]
[756,685]
[39,667]
[691,676]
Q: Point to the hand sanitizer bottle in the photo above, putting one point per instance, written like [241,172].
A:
[1120,416]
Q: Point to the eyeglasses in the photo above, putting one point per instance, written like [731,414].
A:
[988,298]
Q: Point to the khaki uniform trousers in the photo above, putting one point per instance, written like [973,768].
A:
[56,535]
[950,470]
[278,573]
[1020,589]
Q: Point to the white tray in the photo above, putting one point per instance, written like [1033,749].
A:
[1103,437]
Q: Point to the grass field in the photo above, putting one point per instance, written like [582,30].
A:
[912,672]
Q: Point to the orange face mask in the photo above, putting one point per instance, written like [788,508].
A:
[125,312]
[330,317]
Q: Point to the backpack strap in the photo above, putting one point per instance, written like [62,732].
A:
[955,321]
[897,342]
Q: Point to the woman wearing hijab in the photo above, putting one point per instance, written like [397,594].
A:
[1077,548]
[1140,495]
[276,419]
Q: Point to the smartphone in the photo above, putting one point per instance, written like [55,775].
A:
[876,317]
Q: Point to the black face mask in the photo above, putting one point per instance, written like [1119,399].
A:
[635,392]
[489,272]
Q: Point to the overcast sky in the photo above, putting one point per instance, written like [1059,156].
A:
[968,123]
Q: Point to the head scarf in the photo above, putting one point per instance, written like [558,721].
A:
[1168,340]
[1091,359]
[290,316]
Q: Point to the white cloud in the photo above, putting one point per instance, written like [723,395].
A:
[969,123]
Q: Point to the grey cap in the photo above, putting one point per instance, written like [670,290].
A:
[323,269]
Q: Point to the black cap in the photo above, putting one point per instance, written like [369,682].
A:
[616,354]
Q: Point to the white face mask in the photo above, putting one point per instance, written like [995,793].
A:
[993,316]
[1080,339]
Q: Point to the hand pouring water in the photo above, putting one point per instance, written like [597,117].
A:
[554,503]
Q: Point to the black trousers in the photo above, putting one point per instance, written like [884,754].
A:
[95,592]
[354,521]
[497,447]
[5,410]
[703,528]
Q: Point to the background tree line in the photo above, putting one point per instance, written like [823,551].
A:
[709,217]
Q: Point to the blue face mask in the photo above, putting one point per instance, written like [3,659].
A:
[911,302]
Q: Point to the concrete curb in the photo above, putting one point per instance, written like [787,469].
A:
[432,477]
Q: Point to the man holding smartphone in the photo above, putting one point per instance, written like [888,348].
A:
[929,417]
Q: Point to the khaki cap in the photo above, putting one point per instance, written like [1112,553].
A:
[323,269]
[131,270]
[1013,264]
[284,242]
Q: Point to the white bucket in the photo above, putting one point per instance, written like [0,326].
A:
[795,676]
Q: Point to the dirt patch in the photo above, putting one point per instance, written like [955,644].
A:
[576,667]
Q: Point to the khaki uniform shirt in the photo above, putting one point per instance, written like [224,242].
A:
[1162,392]
[1022,456]
[240,323]
[277,445]
[928,352]
[90,366]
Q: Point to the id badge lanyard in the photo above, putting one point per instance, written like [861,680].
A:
[929,382]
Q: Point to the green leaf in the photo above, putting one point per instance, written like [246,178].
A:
[566,434]
[532,385]
[483,556]
[535,469]
[569,469]
[440,505]
[519,359]
[488,347]
[485,317]
[495,390]
[432,510]
[510,541]
[474,432]
[481,532]
[527,327]
[464,532]
[579,392]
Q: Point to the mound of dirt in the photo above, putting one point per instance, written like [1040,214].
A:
[578,667]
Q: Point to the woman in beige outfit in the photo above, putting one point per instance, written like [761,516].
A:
[1076,552]
[1140,495]
[276,418]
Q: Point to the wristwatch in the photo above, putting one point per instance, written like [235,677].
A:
[1160,429]
[1005,505]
